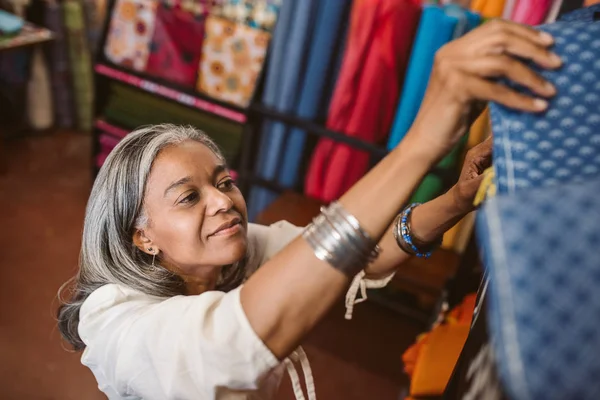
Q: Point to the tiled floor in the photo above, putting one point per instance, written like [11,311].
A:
[43,193]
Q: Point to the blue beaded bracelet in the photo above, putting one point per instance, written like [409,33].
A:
[404,236]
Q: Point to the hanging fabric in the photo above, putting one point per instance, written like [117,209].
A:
[232,58]
[325,46]
[40,110]
[176,43]
[81,63]
[366,93]
[62,89]
[531,12]
[130,32]
[488,8]
[282,90]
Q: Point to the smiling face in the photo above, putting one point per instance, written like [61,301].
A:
[196,215]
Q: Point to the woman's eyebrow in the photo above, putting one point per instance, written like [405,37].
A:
[218,170]
[177,183]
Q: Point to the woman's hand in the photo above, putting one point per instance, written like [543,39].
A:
[477,160]
[465,75]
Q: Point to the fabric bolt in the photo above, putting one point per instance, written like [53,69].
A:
[488,8]
[40,109]
[130,33]
[331,18]
[59,67]
[531,12]
[561,144]
[436,28]
[542,257]
[131,108]
[81,64]
[261,14]
[232,59]
[283,97]
[93,23]
[176,44]
[366,93]
[509,7]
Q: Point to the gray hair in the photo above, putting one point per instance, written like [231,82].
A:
[115,209]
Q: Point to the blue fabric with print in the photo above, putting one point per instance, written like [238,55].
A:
[561,144]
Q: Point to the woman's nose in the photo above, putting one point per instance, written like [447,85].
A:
[217,201]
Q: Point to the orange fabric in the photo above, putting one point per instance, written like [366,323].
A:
[430,360]
[437,359]
[488,8]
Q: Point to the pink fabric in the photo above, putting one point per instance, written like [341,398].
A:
[364,102]
[531,12]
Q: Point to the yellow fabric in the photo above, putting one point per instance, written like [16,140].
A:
[487,187]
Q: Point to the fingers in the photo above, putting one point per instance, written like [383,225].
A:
[505,66]
[486,90]
[528,33]
[518,40]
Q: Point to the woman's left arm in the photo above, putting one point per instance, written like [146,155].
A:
[431,220]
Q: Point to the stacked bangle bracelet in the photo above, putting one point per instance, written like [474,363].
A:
[337,238]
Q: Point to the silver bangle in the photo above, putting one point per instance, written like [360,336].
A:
[336,238]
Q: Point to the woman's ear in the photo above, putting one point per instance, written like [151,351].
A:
[144,243]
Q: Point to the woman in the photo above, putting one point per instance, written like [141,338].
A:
[158,304]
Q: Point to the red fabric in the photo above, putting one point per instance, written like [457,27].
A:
[176,45]
[364,102]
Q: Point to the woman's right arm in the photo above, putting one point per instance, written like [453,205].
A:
[294,289]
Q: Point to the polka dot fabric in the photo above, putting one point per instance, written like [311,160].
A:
[563,143]
[541,250]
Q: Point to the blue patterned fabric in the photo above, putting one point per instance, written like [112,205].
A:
[563,143]
[583,14]
[540,248]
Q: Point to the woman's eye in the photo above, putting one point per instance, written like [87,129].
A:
[190,198]
[226,185]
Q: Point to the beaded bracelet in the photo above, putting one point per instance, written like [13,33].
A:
[405,238]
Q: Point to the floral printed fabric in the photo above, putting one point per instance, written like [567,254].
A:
[232,57]
[260,14]
[176,46]
[131,29]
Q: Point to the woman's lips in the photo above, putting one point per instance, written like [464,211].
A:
[228,231]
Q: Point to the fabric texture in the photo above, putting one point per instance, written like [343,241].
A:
[561,144]
[232,59]
[131,29]
[176,43]
[542,255]
[366,93]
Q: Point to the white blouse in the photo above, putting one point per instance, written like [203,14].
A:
[191,347]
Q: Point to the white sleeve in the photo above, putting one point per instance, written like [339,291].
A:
[180,348]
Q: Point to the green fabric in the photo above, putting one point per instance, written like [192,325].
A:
[432,185]
[81,63]
[132,108]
